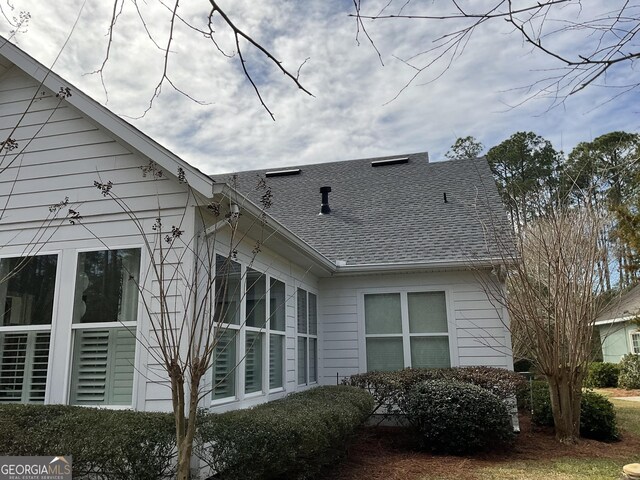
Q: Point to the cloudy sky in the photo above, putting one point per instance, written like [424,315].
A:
[353,113]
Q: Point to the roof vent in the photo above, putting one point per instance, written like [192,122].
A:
[324,208]
[283,173]
[389,161]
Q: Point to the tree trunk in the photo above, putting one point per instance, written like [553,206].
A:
[565,406]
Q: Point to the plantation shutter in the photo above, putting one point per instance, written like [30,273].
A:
[120,380]
[23,366]
[39,366]
[276,347]
[103,367]
[224,378]
[89,377]
[253,362]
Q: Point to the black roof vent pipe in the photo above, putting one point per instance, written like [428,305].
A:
[324,208]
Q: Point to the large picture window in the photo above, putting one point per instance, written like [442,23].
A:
[104,324]
[406,329]
[27,290]
[307,320]
[251,352]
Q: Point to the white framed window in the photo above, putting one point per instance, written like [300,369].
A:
[406,329]
[105,312]
[249,355]
[307,338]
[27,292]
[635,342]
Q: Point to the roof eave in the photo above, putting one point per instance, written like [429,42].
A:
[422,266]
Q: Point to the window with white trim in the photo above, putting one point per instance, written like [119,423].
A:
[406,329]
[256,342]
[307,316]
[635,342]
[105,313]
[27,290]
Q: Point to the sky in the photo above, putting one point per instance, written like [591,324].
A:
[359,106]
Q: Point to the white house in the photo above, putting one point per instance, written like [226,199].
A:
[386,274]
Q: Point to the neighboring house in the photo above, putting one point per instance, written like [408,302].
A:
[619,327]
[389,276]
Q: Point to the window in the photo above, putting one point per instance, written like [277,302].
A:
[307,313]
[27,289]
[258,341]
[406,329]
[105,312]
[635,342]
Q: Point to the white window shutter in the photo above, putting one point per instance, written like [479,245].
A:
[91,354]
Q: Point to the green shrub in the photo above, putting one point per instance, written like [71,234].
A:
[458,418]
[290,438]
[389,388]
[105,444]
[597,415]
[602,375]
[629,371]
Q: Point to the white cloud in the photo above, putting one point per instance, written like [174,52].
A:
[347,118]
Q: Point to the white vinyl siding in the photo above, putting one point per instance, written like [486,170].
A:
[478,331]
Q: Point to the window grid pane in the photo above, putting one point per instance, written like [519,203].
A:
[227,285]
[106,288]
[277,307]
[253,362]
[302,311]
[427,312]
[384,354]
[382,313]
[313,314]
[225,358]
[276,365]
[26,294]
[635,342]
[302,360]
[430,352]
[313,354]
[256,298]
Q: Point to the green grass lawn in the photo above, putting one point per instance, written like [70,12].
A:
[628,415]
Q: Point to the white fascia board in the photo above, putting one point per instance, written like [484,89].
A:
[615,320]
[124,131]
[422,266]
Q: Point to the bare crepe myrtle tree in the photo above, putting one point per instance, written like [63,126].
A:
[552,296]
[603,38]
[183,291]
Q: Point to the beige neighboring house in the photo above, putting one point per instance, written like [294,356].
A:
[619,327]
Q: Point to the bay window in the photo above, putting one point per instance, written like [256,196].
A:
[307,320]
[27,289]
[249,355]
[105,313]
[406,329]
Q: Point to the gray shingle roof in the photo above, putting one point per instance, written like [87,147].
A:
[387,214]
[627,305]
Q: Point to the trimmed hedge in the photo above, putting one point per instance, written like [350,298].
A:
[602,375]
[290,438]
[457,418]
[390,388]
[629,372]
[597,415]
[105,444]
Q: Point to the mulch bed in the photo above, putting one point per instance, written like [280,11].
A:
[388,453]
